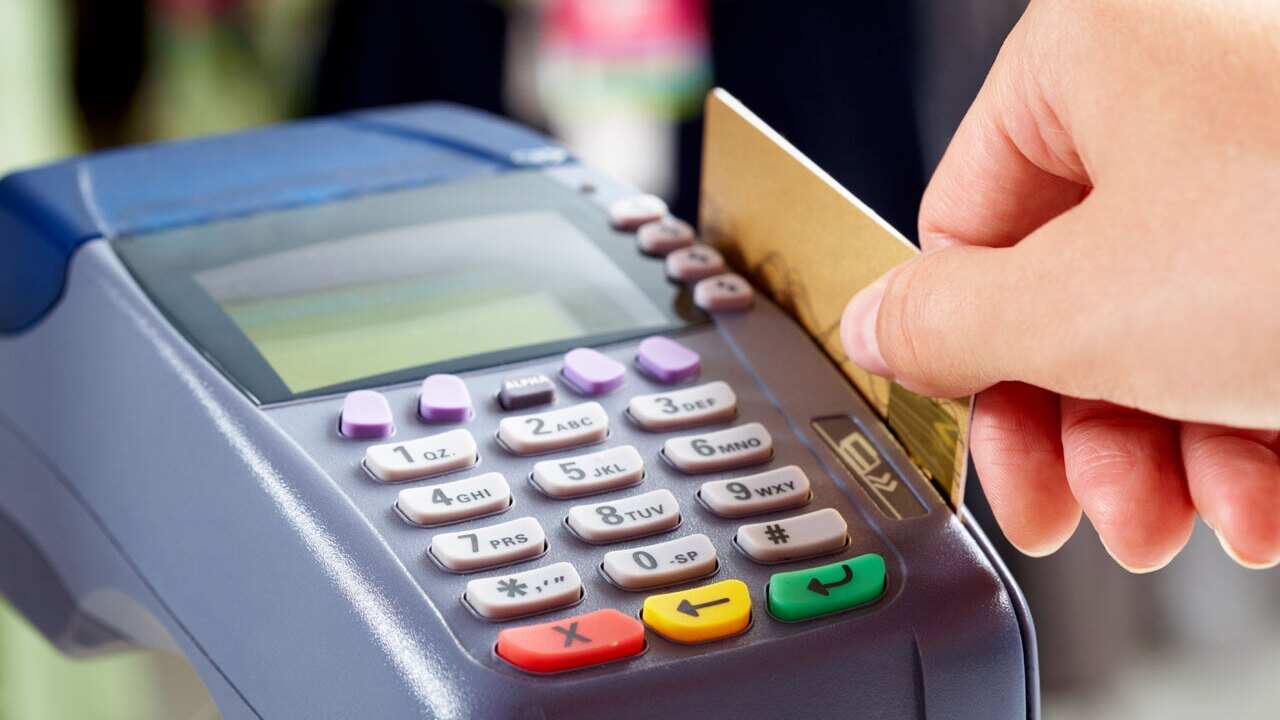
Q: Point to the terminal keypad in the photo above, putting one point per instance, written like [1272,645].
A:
[511,583]
[704,430]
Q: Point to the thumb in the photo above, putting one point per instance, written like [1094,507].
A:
[956,320]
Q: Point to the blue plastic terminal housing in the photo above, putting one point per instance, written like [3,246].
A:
[46,213]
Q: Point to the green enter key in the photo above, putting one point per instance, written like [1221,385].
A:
[826,589]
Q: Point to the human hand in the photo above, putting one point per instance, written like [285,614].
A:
[1101,266]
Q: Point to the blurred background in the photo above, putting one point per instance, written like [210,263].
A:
[870,90]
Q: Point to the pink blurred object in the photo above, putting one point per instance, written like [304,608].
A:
[616,28]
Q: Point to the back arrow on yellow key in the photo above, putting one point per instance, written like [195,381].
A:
[701,614]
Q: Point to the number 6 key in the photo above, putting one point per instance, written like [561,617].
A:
[749,444]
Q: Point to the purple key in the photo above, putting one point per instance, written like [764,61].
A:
[666,360]
[366,415]
[444,398]
[593,373]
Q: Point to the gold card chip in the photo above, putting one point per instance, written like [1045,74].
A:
[808,242]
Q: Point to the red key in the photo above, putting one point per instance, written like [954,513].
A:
[576,642]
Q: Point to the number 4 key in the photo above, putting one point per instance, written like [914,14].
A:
[455,501]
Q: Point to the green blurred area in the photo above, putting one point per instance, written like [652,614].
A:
[36,124]
[37,682]
[205,76]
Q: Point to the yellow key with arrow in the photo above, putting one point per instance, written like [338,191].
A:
[701,614]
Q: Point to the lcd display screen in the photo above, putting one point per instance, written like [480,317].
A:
[328,313]
[338,294]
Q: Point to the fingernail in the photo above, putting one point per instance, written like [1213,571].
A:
[1231,552]
[1034,552]
[1135,569]
[858,329]
[1046,547]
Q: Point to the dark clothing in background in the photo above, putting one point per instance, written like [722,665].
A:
[870,90]
[108,58]
[389,52]
[834,78]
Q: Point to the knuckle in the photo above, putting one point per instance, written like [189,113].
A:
[1105,447]
[905,325]
[1101,460]
[1123,468]
[1100,469]
[924,320]
[1005,443]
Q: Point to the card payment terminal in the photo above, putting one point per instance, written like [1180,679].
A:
[407,413]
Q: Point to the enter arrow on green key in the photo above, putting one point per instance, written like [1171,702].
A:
[825,589]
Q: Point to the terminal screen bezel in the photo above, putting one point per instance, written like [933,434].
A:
[166,265]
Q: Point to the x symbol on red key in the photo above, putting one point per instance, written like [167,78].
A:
[571,633]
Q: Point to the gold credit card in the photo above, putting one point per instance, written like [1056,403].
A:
[811,245]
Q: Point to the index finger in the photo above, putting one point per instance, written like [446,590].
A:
[1013,164]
